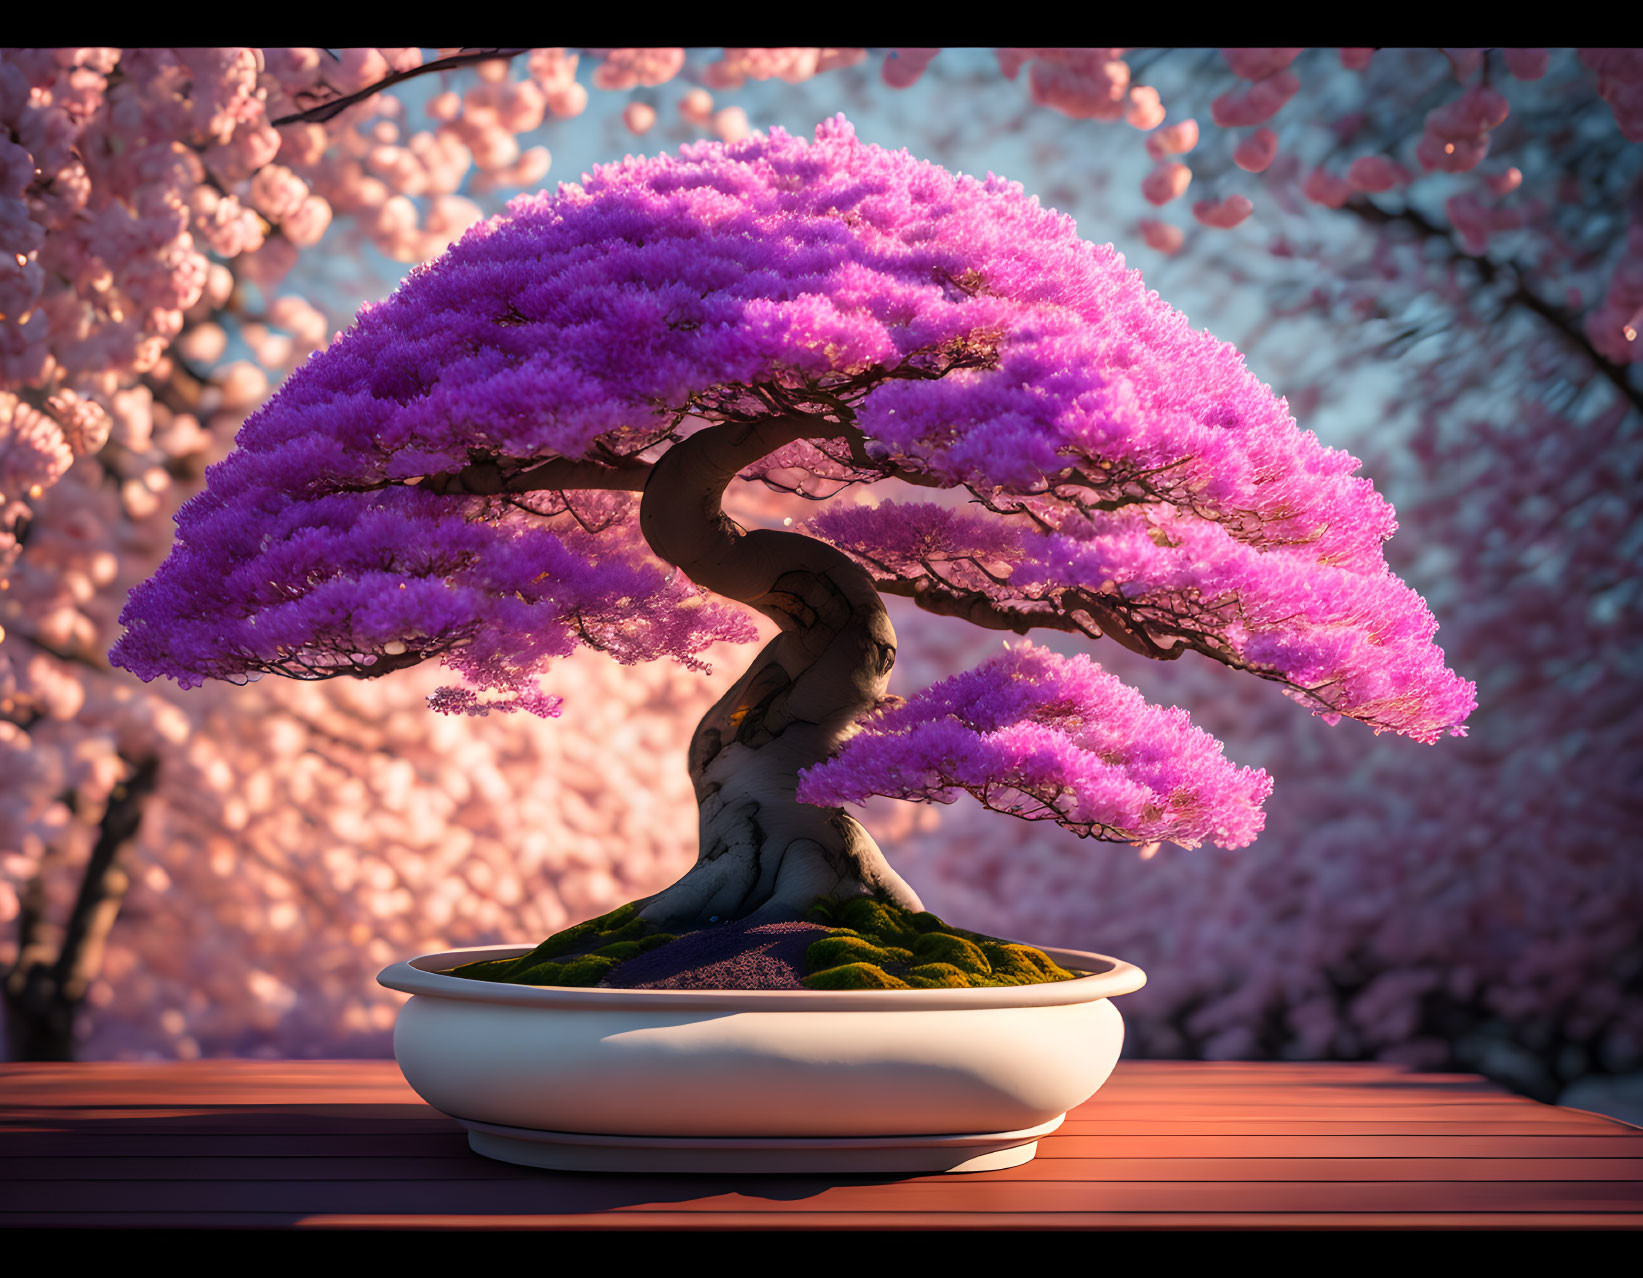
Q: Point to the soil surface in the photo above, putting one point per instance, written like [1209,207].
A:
[731,956]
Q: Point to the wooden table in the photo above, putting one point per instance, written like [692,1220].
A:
[1165,1144]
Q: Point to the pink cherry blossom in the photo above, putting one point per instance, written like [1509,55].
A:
[1258,103]
[639,116]
[1323,187]
[1376,173]
[1177,139]
[1165,183]
[903,67]
[1225,213]
[1144,110]
[1162,236]
[1255,152]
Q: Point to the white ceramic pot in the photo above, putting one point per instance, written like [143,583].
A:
[757,1080]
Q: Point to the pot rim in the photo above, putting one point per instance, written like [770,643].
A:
[1102,977]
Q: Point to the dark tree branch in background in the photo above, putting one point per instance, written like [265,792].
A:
[104,883]
[42,995]
[1491,272]
[328,110]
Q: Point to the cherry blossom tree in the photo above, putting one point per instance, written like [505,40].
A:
[1434,907]
[448,480]
[151,212]
[1473,913]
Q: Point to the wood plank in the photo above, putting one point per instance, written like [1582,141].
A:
[1185,1099]
[570,1192]
[386,1068]
[319,1119]
[451,1142]
[1188,1102]
[1061,1144]
[267,1119]
[191,1076]
[1234,1124]
[465,1165]
[279,1143]
[321,1144]
[879,1221]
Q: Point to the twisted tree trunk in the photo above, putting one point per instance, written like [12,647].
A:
[763,855]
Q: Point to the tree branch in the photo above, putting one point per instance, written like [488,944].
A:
[104,884]
[40,995]
[485,477]
[974,607]
[329,110]
[1556,316]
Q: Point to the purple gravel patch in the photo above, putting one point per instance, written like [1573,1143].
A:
[733,956]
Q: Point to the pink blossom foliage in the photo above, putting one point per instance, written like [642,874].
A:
[1457,134]
[730,123]
[351,561]
[34,453]
[1255,152]
[1227,213]
[1256,104]
[736,66]
[1144,111]
[1526,64]
[1086,84]
[1165,183]
[1039,736]
[625,68]
[1355,642]
[903,67]
[1162,236]
[697,106]
[1177,139]
[473,358]
[639,116]
[1258,64]
[1620,84]
[1376,173]
[1326,188]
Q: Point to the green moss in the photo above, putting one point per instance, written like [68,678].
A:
[837,951]
[484,970]
[854,976]
[620,950]
[956,951]
[877,919]
[877,945]
[936,976]
[580,955]
[871,945]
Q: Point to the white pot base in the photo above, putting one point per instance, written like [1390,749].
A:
[585,1151]
[589,1079]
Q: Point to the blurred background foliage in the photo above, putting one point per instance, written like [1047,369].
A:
[222,871]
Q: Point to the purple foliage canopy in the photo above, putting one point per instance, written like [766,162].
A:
[1131,476]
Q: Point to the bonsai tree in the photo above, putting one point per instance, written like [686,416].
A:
[526,448]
